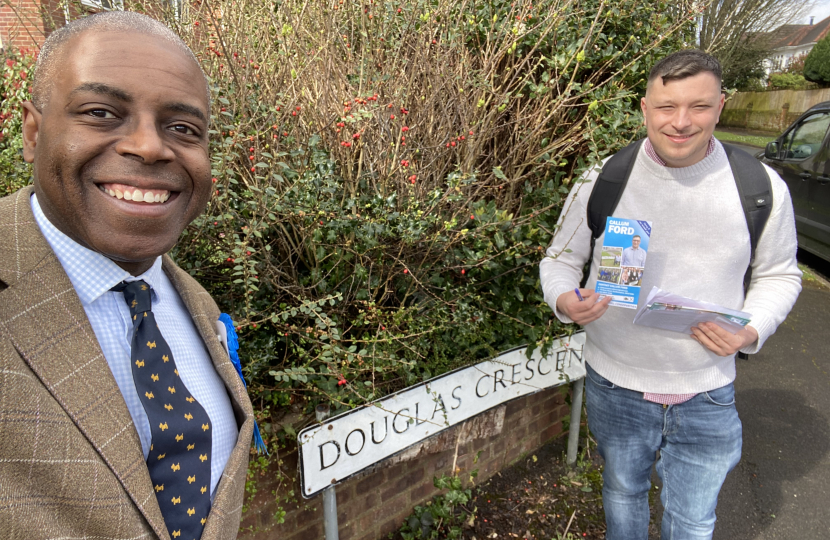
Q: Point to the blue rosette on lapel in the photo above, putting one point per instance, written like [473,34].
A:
[233,347]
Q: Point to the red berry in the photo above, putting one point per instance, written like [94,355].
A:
[392,116]
[463,271]
[405,271]
[404,129]
[214,180]
[472,216]
[452,143]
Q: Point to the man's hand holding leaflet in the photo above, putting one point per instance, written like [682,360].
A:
[589,309]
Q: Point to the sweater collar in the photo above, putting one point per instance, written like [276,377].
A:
[715,157]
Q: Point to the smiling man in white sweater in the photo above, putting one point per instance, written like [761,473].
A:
[651,390]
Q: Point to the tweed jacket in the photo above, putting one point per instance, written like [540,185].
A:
[71,464]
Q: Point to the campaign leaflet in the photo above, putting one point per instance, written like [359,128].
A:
[623,260]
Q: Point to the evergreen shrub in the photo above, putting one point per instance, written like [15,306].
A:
[817,63]
[388,174]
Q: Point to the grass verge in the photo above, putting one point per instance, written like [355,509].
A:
[752,140]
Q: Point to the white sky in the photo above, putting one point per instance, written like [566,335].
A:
[820,11]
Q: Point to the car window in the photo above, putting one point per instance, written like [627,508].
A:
[805,140]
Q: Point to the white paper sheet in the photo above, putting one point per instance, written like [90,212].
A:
[679,314]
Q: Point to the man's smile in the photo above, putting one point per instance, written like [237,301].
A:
[132,193]
[679,138]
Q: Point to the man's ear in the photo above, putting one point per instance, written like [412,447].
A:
[643,108]
[31,127]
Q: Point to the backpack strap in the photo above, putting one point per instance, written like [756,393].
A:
[755,191]
[608,189]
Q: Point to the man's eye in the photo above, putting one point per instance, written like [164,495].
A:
[183,129]
[100,113]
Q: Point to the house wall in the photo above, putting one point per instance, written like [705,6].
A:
[27,23]
[375,502]
[781,58]
[769,111]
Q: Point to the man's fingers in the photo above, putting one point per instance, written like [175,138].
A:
[594,312]
[716,339]
[705,340]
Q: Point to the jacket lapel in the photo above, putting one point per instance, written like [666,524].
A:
[204,312]
[47,325]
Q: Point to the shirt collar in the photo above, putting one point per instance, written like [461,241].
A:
[652,153]
[91,274]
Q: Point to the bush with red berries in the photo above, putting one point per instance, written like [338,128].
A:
[15,80]
[387,175]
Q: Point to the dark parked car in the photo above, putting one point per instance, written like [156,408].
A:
[801,155]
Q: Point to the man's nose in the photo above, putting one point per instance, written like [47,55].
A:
[144,139]
[681,119]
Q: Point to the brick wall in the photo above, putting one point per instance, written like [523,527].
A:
[375,502]
[27,23]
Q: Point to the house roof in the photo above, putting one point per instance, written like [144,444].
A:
[794,35]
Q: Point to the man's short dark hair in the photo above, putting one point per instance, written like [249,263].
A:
[683,64]
[106,21]
[636,236]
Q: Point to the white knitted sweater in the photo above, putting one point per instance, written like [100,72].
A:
[699,248]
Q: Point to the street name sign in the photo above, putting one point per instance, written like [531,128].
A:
[344,445]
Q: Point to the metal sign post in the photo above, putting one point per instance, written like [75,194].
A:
[576,419]
[329,495]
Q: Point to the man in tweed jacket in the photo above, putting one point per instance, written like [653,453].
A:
[120,107]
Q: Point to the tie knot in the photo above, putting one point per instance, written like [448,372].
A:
[137,295]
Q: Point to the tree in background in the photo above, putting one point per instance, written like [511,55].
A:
[817,63]
[737,33]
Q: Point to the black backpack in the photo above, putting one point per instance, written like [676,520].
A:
[751,178]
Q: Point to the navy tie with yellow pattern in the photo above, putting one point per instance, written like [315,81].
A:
[180,451]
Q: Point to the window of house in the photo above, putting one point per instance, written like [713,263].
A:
[104,4]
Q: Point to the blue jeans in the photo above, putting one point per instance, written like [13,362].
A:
[699,443]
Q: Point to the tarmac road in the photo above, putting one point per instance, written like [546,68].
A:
[780,487]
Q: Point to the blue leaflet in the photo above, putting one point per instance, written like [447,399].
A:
[233,347]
